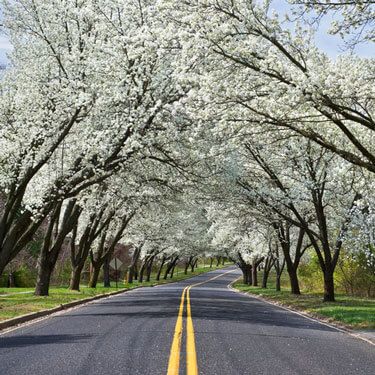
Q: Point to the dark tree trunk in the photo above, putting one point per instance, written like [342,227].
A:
[94,275]
[245,276]
[186,267]
[106,277]
[279,268]
[278,283]
[172,270]
[329,287]
[265,278]
[218,260]
[130,277]
[142,271]
[105,247]
[211,261]
[53,241]
[132,269]
[11,280]
[169,267]
[75,277]
[160,269]
[149,268]
[246,273]
[44,278]
[193,264]
[254,270]
[294,284]
[266,271]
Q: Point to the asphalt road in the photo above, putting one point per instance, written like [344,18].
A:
[132,333]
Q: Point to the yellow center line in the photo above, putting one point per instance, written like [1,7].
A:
[191,355]
[174,357]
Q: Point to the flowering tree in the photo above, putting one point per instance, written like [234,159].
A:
[263,73]
[89,85]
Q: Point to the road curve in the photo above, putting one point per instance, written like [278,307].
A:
[132,333]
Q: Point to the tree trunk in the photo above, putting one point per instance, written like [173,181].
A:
[294,284]
[53,241]
[172,271]
[254,269]
[106,277]
[211,261]
[329,287]
[186,267]
[265,278]
[218,261]
[132,269]
[193,264]
[142,271]
[94,275]
[45,270]
[11,280]
[130,274]
[246,273]
[160,269]
[278,283]
[266,271]
[169,268]
[149,268]
[75,277]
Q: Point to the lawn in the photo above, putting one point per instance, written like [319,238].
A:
[353,312]
[19,301]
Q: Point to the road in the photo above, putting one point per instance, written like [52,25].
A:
[219,332]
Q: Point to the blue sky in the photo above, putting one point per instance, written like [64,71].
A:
[5,47]
[330,44]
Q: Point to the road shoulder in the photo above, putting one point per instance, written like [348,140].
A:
[365,335]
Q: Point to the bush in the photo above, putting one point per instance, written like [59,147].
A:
[310,274]
[25,277]
[354,275]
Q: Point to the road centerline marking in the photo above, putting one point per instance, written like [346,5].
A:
[174,357]
[191,355]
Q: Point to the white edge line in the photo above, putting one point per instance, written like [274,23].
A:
[304,315]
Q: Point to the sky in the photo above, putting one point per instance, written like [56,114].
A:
[5,47]
[330,44]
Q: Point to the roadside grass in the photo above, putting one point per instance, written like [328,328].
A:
[352,312]
[19,301]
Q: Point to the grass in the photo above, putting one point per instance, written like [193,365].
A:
[352,312]
[16,302]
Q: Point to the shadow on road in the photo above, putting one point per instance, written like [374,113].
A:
[208,303]
[29,340]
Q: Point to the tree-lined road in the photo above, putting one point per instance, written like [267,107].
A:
[132,333]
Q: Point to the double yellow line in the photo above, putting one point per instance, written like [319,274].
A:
[191,354]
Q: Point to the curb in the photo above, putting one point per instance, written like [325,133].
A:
[306,315]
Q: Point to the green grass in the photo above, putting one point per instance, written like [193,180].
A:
[13,304]
[353,312]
